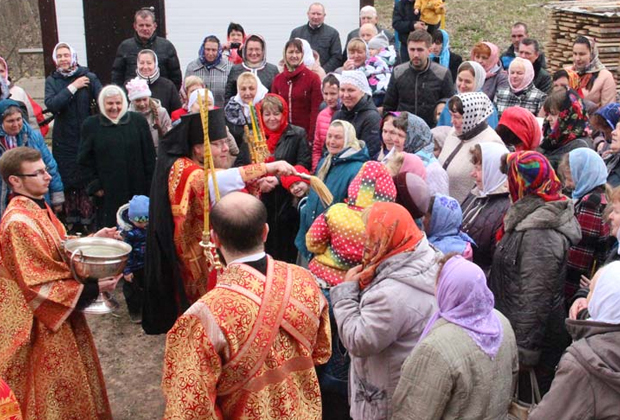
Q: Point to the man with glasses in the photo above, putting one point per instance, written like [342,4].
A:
[46,348]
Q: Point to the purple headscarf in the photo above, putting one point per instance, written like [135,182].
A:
[465,300]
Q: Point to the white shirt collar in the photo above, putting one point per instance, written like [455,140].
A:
[249,258]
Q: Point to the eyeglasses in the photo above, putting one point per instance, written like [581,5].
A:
[40,172]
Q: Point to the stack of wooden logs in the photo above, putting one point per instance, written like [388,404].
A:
[570,19]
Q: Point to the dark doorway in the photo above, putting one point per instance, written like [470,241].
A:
[107,24]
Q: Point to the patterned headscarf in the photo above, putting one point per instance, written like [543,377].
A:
[571,124]
[528,77]
[74,63]
[390,230]
[530,173]
[595,63]
[587,169]
[477,107]
[445,228]
[371,184]
[465,300]
[419,139]
[201,53]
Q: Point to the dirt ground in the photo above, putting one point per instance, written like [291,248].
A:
[131,363]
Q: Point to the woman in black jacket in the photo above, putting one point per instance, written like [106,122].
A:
[71,93]
[487,203]
[284,142]
[161,88]
[529,266]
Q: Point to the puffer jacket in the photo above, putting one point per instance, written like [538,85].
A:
[325,40]
[323,120]
[367,122]
[528,275]
[336,237]
[381,325]
[587,382]
[482,218]
[418,91]
[124,66]
[344,167]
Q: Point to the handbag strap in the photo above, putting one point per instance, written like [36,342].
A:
[535,390]
[452,155]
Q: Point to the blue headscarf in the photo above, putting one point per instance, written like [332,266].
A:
[19,138]
[587,169]
[201,53]
[444,55]
[445,228]
[419,139]
[610,113]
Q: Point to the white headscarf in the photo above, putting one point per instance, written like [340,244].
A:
[356,78]
[194,97]
[492,176]
[112,90]
[261,91]
[604,305]
[308,55]
[479,74]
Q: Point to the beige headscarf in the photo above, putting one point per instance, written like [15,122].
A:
[351,143]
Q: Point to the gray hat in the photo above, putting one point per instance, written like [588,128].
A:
[379,42]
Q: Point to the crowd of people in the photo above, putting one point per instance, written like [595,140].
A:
[465,266]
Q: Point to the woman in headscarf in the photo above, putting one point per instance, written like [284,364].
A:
[595,81]
[301,88]
[585,174]
[383,305]
[311,59]
[441,54]
[161,88]
[469,78]
[35,112]
[254,53]
[289,143]
[211,68]
[359,109]
[249,91]
[519,129]
[116,154]
[529,265]
[480,343]
[487,55]
[521,90]
[345,157]
[566,125]
[15,132]
[613,159]
[469,113]
[70,92]
[603,121]
[140,101]
[442,225]
[587,381]
[487,203]
[336,238]
[412,135]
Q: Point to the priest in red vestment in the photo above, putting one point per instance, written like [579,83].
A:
[47,354]
[249,347]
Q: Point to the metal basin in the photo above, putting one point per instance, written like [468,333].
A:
[96,257]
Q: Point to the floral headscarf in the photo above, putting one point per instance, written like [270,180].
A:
[201,53]
[419,139]
[390,230]
[74,64]
[465,300]
[530,173]
[571,124]
[595,63]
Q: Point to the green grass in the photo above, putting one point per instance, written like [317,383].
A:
[471,21]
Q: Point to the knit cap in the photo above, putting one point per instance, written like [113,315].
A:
[288,181]
[379,42]
[139,208]
[356,78]
[137,88]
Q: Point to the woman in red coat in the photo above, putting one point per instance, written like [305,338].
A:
[300,87]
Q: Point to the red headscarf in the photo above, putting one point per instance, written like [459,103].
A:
[272,137]
[530,173]
[524,125]
[390,230]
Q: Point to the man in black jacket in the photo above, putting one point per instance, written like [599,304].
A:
[404,21]
[124,67]
[368,14]
[417,86]
[530,50]
[324,39]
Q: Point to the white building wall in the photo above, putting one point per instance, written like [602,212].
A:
[189,21]
[70,21]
